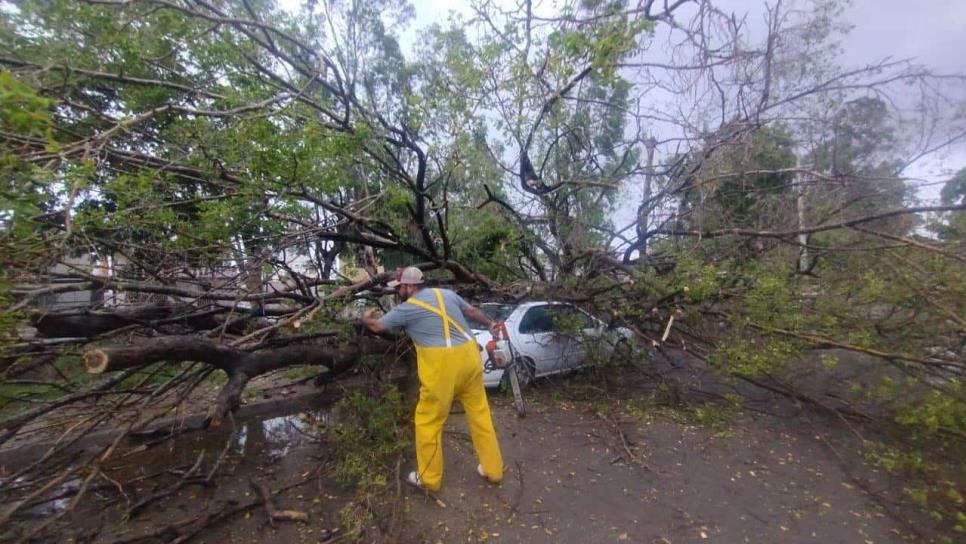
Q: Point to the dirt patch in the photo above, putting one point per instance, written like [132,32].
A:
[598,469]
[571,479]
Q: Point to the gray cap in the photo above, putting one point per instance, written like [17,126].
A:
[409,275]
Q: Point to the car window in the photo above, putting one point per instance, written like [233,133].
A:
[536,320]
[569,318]
[497,312]
[585,321]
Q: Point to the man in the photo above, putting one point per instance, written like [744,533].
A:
[449,367]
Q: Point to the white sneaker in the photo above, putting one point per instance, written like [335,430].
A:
[414,479]
[479,470]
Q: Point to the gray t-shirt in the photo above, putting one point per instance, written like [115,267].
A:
[425,327]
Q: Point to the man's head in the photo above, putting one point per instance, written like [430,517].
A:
[408,281]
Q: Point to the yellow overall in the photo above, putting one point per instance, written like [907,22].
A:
[448,373]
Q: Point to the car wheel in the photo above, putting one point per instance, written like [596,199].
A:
[526,373]
[623,354]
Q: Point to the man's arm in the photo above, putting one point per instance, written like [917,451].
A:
[474,313]
[371,322]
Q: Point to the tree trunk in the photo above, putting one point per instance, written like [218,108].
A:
[240,366]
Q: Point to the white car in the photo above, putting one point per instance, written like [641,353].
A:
[552,338]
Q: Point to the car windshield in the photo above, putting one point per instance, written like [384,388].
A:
[496,312]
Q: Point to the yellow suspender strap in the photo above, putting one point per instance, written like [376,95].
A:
[441,312]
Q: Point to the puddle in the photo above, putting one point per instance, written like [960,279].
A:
[275,436]
[252,446]
[270,437]
[145,491]
[64,492]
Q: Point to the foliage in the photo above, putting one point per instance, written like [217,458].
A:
[233,149]
[929,489]
[371,432]
[745,184]
[952,227]
[22,189]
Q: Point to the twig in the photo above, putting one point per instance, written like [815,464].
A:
[266,499]
[224,451]
[184,530]
[273,514]
[518,497]
[183,481]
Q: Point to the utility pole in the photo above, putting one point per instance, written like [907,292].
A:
[800,205]
[644,212]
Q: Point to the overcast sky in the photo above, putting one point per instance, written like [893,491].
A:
[933,32]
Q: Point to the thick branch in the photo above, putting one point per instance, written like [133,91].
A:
[241,366]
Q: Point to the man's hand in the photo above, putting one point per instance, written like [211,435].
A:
[371,322]
[495,328]
[474,313]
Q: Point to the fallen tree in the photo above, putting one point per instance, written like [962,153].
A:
[227,184]
[240,366]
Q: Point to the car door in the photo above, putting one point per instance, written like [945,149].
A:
[594,338]
[574,330]
[537,339]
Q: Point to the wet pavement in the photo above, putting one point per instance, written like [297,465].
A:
[573,478]
[573,475]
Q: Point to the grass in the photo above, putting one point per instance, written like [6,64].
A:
[65,372]
[301,372]
[370,434]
